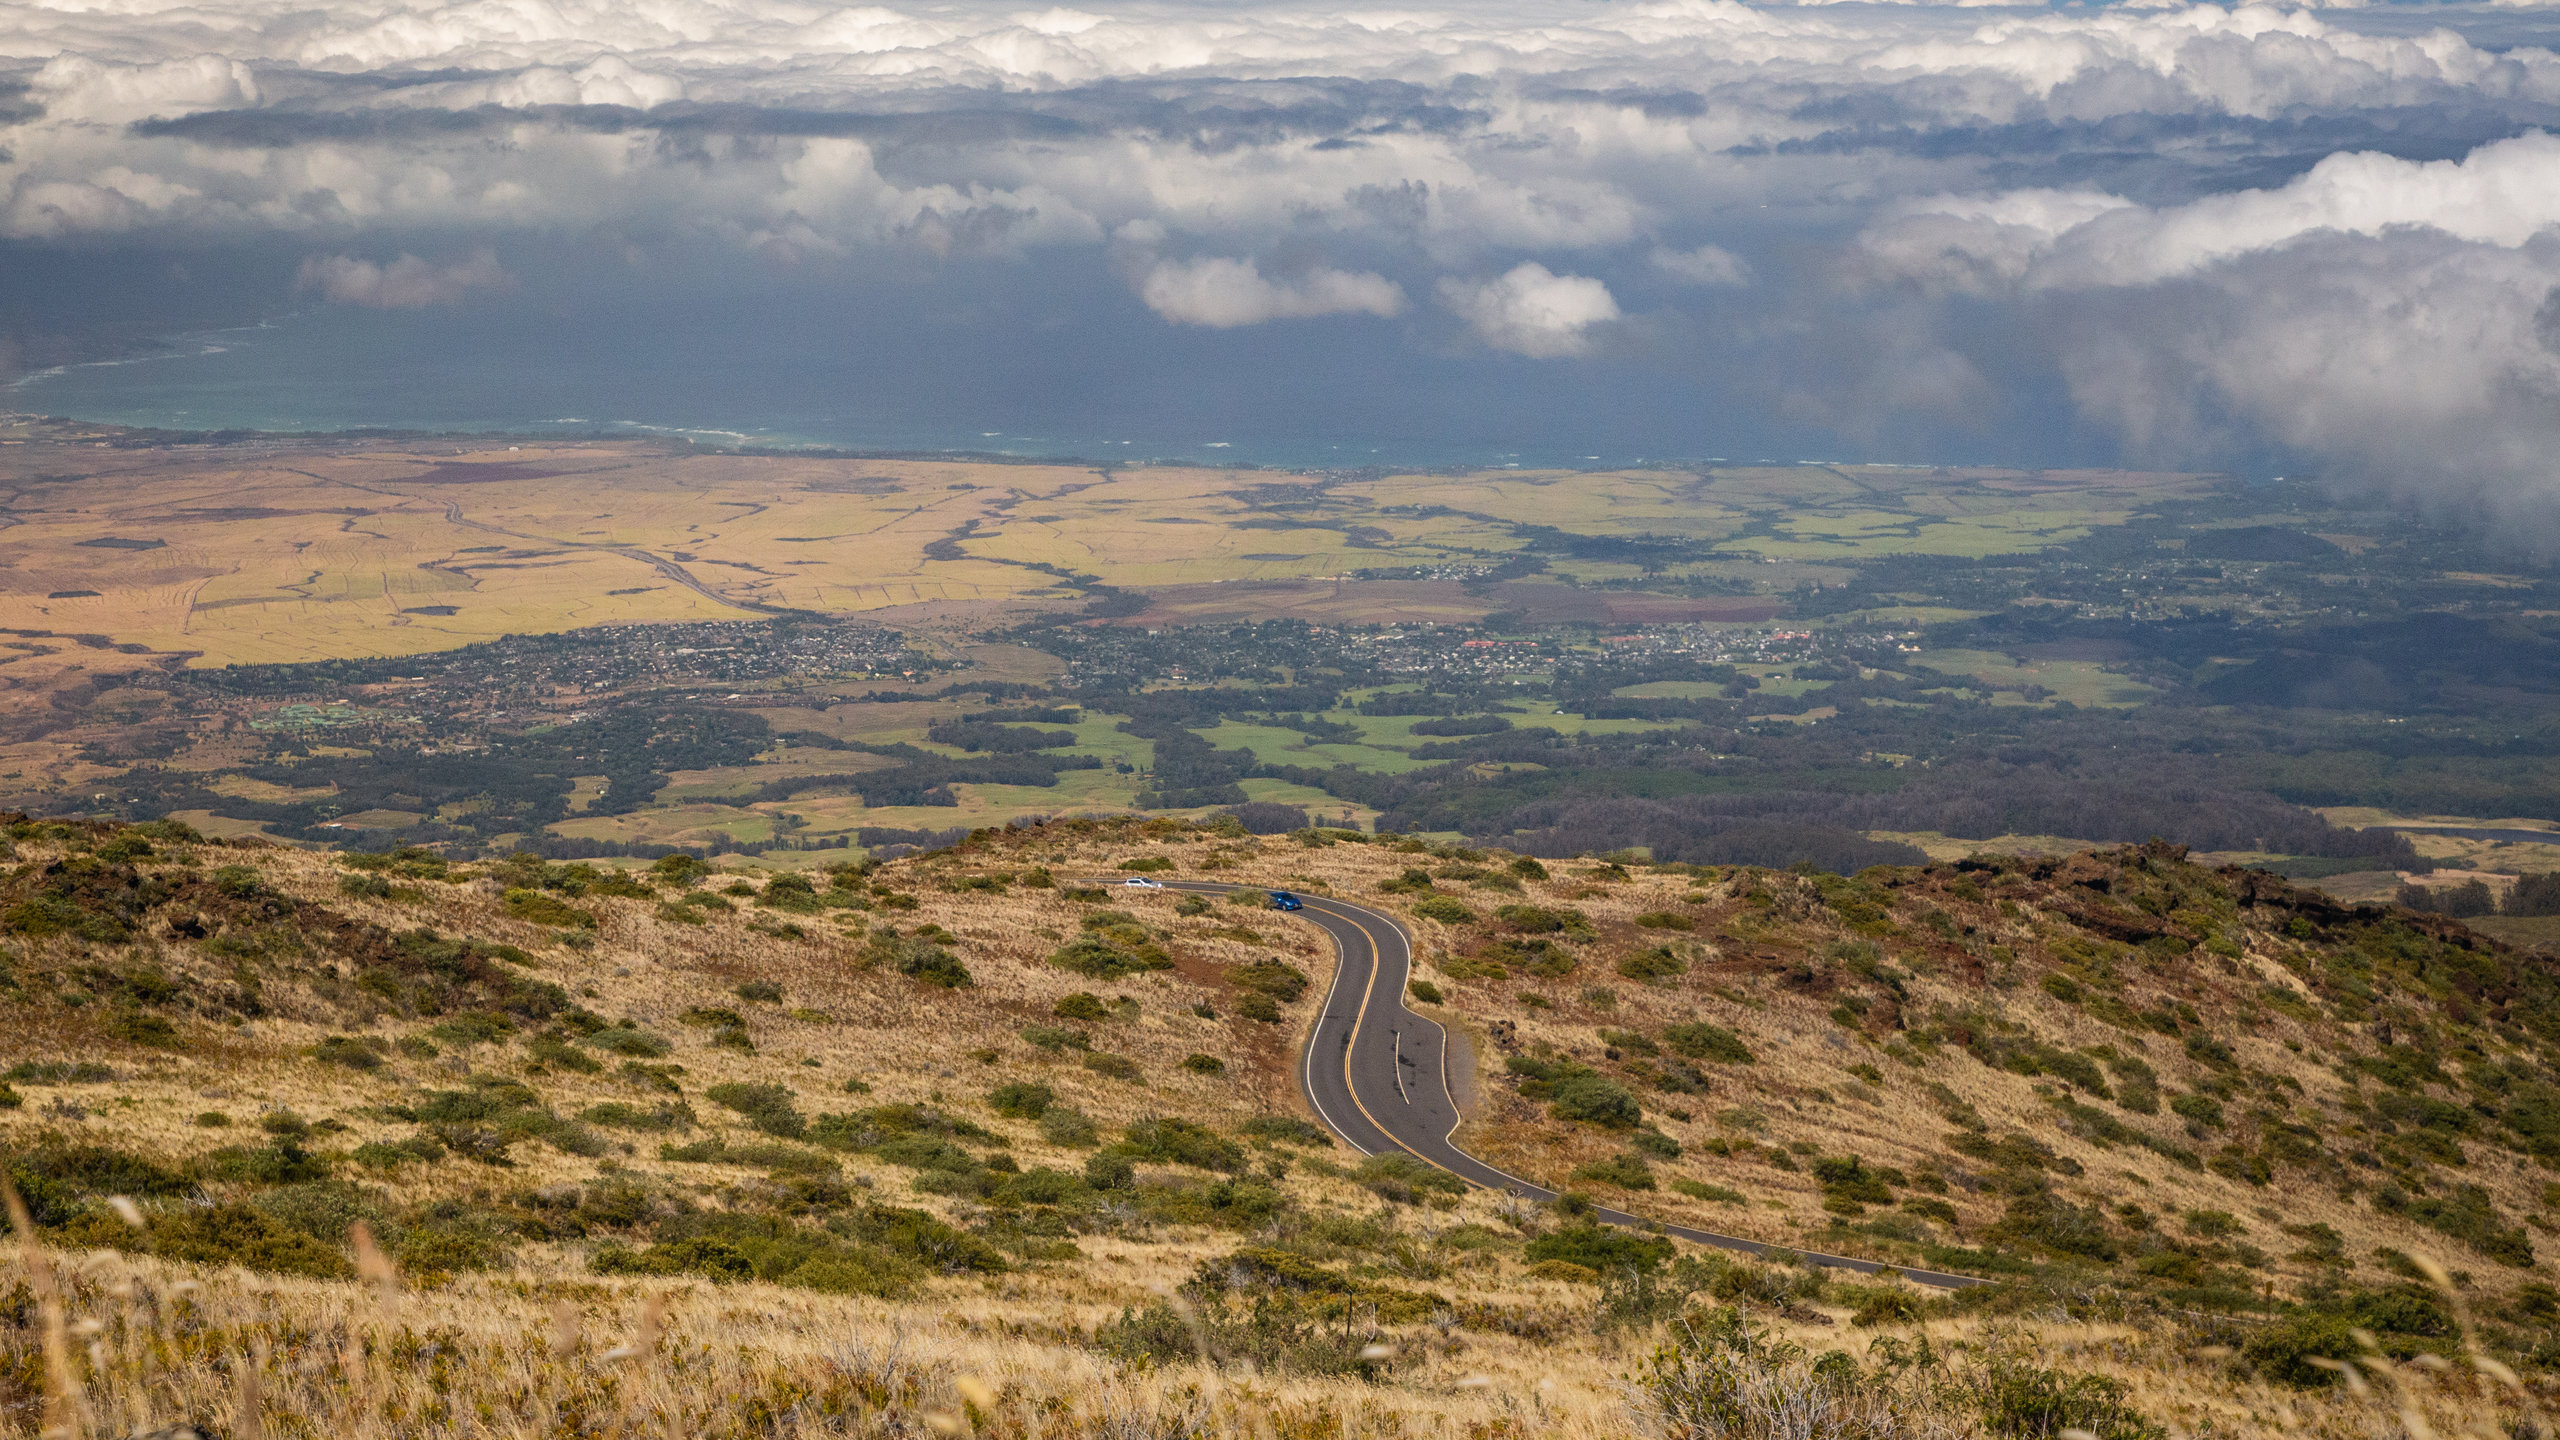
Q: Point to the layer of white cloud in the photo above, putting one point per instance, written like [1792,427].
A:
[2503,194]
[1222,293]
[1705,265]
[2400,318]
[406,283]
[1532,310]
[2015,157]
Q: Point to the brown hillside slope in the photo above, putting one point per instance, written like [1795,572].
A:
[1052,1134]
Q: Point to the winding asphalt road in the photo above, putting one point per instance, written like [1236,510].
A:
[1378,1074]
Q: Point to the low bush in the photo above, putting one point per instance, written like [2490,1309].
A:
[631,1041]
[768,1108]
[1287,1129]
[1116,1067]
[1394,1175]
[1601,1248]
[622,1116]
[918,959]
[1653,966]
[1022,1100]
[1171,1141]
[1068,1126]
[1627,1172]
[356,1052]
[1082,1005]
[1703,1040]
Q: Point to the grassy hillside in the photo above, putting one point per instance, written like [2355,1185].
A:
[961,1143]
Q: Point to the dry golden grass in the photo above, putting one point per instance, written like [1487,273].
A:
[1009,1353]
[317,549]
[111,1345]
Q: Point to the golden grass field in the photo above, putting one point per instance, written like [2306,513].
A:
[544,1345]
[302,550]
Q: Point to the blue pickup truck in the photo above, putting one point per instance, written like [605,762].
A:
[1283,900]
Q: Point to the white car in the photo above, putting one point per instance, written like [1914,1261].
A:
[1141,882]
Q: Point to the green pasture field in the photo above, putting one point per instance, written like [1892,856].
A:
[2081,682]
[1671,690]
[1275,746]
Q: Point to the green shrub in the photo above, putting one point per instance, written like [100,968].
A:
[1287,1129]
[1847,1179]
[628,1040]
[1204,1064]
[239,882]
[1884,1305]
[356,1052]
[788,1159]
[235,1234]
[1274,978]
[622,1116]
[2283,1352]
[680,868]
[1443,908]
[2466,1215]
[1714,1194]
[1703,1040]
[714,1260]
[1109,1171]
[2016,1397]
[551,1050]
[2046,1221]
[1397,1176]
[1424,991]
[1054,1038]
[57,1179]
[58,1072]
[1593,1100]
[1097,958]
[1082,1005]
[768,1108]
[763,992]
[1065,1125]
[1116,1067]
[538,908]
[390,1155]
[1656,964]
[1601,1248]
[140,1027]
[1022,1100]
[1147,864]
[1172,1141]
[1258,1007]
[368,887]
[919,960]
[1666,920]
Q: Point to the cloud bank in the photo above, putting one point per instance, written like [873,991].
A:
[1533,311]
[1222,294]
[2325,234]
[407,283]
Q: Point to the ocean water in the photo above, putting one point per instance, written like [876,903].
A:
[1026,361]
[781,385]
